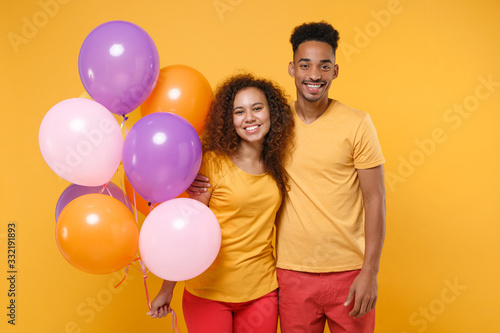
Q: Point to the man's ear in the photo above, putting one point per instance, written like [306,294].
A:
[291,69]
[336,71]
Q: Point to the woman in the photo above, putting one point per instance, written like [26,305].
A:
[247,135]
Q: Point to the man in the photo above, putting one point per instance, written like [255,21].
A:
[331,226]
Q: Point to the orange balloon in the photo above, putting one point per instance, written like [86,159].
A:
[142,204]
[97,234]
[181,90]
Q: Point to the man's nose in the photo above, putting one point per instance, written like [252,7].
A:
[315,74]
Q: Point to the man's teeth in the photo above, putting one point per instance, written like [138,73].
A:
[251,128]
[313,85]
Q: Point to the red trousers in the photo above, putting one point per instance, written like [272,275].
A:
[207,316]
[308,300]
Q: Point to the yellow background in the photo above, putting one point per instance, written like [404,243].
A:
[412,64]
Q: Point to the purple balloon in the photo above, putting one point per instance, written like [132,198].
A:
[119,65]
[74,191]
[161,156]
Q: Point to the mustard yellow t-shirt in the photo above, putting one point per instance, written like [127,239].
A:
[246,207]
[321,222]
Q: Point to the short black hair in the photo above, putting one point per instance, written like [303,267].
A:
[314,31]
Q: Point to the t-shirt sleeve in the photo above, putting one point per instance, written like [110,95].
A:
[367,150]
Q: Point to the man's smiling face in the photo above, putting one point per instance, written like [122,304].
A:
[314,69]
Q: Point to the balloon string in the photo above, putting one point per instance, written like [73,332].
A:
[144,276]
[175,327]
[135,205]
[123,124]
[143,267]
[126,270]
[105,187]
[133,190]
[126,274]
[144,271]
[152,206]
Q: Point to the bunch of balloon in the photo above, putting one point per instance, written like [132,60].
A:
[82,142]
[180,237]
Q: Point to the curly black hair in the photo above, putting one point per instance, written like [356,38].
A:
[219,134]
[314,31]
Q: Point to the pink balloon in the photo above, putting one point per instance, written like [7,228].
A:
[81,142]
[179,239]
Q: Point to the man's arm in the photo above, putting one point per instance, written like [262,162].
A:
[364,289]
[200,185]
[198,190]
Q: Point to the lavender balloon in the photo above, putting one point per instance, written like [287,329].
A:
[74,191]
[119,65]
[161,156]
